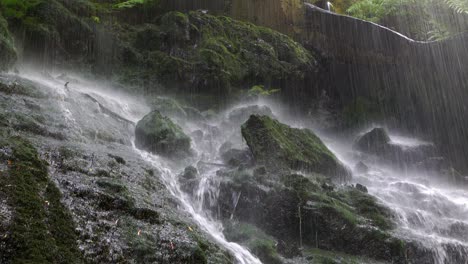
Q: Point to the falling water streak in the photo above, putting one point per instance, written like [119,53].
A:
[213,228]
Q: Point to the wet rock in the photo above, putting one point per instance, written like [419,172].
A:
[197,135]
[240,115]
[361,188]
[279,147]
[361,167]
[146,215]
[118,159]
[237,157]
[189,179]
[158,134]
[378,143]
[225,147]
[374,141]
[168,107]
[337,219]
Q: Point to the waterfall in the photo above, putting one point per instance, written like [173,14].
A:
[209,225]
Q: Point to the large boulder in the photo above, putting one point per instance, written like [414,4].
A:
[281,148]
[158,134]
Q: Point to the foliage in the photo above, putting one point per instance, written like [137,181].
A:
[260,90]
[419,19]
[216,53]
[461,6]
[133,3]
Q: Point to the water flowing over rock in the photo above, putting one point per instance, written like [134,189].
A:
[158,134]
[377,142]
[280,147]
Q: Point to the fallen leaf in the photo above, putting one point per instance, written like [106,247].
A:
[189,228]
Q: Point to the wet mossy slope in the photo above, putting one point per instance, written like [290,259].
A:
[41,229]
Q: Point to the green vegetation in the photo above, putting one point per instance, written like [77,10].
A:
[261,244]
[216,53]
[348,204]
[42,229]
[333,257]
[419,19]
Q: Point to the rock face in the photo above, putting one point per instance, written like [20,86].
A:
[158,134]
[280,147]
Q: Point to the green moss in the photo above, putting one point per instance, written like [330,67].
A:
[367,207]
[278,145]
[159,134]
[42,230]
[216,53]
[261,244]
[331,257]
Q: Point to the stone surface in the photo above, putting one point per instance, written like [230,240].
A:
[158,134]
[280,147]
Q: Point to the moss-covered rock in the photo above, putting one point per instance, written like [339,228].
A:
[42,230]
[309,211]
[158,134]
[281,147]
[7,48]
[213,53]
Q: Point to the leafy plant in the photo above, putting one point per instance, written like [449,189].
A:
[460,6]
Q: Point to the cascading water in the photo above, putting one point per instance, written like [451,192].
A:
[428,212]
[195,207]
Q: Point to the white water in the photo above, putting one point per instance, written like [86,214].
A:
[426,211]
[210,226]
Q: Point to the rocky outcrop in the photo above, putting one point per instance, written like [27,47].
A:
[280,147]
[158,134]
[306,209]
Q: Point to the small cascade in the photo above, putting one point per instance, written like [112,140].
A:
[212,227]
[430,213]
